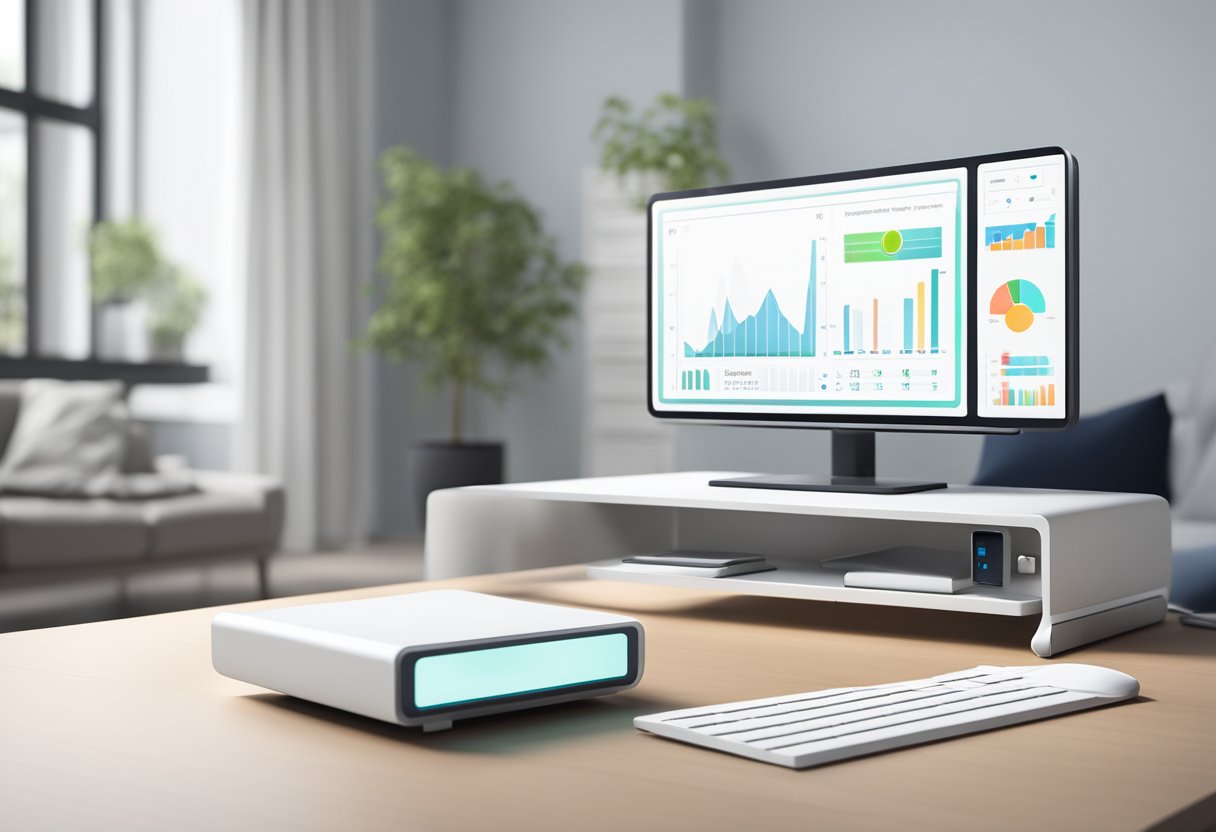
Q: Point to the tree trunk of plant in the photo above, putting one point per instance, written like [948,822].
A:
[457,411]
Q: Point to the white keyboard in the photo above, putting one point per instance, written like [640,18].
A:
[810,729]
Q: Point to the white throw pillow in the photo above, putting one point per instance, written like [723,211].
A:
[69,439]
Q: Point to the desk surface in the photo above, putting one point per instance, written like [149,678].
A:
[124,724]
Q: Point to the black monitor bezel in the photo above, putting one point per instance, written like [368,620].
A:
[971,421]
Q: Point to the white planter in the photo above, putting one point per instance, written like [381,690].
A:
[122,331]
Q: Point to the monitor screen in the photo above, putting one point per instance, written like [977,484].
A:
[1020,268]
[926,295]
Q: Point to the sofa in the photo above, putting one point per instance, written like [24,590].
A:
[49,541]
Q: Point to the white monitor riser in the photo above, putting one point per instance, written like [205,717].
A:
[1103,559]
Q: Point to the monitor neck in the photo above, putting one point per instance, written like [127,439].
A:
[853,453]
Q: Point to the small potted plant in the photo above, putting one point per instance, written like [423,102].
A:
[175,304]
[673,141]
[473,290]
[126,262]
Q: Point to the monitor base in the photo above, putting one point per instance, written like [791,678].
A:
[852,472]
[815,482]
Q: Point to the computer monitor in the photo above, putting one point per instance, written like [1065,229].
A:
[929,297]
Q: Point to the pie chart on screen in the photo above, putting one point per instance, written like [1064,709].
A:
[1019,301]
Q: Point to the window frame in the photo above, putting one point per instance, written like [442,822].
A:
[36,108]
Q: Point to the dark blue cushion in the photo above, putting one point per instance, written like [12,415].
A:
[1126,449]
[1193,583]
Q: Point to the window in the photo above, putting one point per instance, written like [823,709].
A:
[50,173]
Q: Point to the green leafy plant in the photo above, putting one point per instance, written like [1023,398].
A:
[175,304]
[126,260]
[674,137]
[473,288]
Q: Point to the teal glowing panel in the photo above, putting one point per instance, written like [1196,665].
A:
[454,678]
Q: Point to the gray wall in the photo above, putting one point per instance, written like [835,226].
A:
[529,80]
[810,87]
[413,105]
[512,89]
[206,446]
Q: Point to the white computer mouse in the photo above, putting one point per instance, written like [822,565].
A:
[1087,678]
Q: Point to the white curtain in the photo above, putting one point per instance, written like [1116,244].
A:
[308,159]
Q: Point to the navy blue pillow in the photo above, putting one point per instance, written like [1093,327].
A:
[1126,449]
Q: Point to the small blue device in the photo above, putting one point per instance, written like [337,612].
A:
[988,558]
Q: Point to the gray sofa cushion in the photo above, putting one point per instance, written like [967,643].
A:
[38,532]
[138,456]
[196,524]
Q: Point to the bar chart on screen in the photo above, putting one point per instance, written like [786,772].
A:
[1021,380]
[1021,236]
[905,319]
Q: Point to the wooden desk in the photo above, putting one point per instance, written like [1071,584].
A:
[124,725]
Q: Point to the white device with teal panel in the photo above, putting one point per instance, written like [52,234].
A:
[428,658]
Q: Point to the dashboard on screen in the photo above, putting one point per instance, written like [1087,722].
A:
[923,295]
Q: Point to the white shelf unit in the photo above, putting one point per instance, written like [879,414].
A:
[619,437]
[1103,560]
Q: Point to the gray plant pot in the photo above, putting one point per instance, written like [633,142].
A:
[435,465]
[168,349]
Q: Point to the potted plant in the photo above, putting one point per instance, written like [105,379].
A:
[473,289]
[674,140]
[126,261]
[175,304]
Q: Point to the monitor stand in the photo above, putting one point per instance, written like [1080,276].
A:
[852,471]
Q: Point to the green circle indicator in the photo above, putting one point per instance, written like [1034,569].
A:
[892,242]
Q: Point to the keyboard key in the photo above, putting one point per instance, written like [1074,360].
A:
[910,715]
[727,714]
[825,711]
[920,728]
